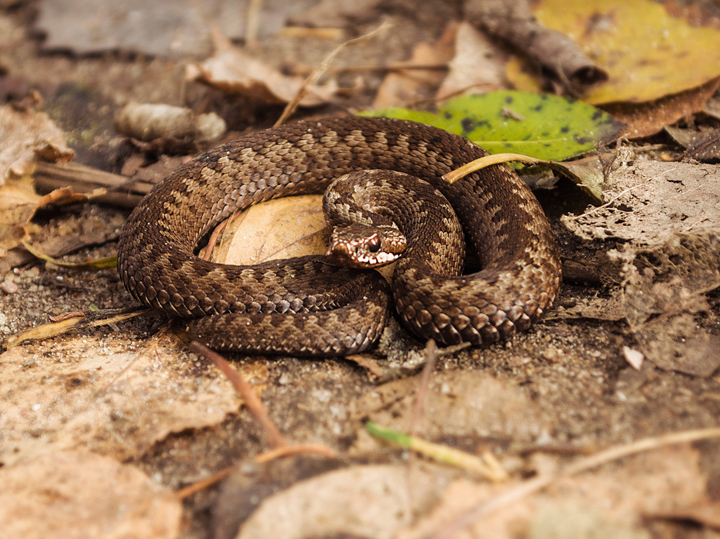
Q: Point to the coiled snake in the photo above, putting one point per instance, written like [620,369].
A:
[309,306]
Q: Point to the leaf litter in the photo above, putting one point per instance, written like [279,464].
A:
[575,385]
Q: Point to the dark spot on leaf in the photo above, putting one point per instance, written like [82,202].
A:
[543,97]
[538,108]
[564,129]
[482,123]
[509,99]
[583,140]
[597,115]
[448,114]
[467,125]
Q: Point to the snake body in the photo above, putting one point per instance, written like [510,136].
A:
[309,306]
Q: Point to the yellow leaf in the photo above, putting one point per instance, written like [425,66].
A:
[647,53]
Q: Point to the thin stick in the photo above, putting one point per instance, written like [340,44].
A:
[608,203]
[288,450]
[253,22]
[431,355]
[518,492]
[203,483]
[207,253]
[241,385]
[319,70]
[303,70]
[260,459]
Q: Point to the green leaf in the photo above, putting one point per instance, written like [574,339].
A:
[538,125]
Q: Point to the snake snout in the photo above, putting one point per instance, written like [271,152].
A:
[360,246]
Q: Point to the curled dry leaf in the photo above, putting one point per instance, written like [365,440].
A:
[234,71]
[147,122]
[514,22]
[72,495]
[645,119]
[23,133]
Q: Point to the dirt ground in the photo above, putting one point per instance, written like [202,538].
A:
[562,390]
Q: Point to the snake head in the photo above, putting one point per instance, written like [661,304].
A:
[360,246]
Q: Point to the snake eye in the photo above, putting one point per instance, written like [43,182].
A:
[374,244]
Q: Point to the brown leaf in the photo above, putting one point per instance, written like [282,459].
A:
[366,501]
[706,514]
[107,398]
[475,68]
[72,495]
[234,71]
[24,133]
[282,228]
[645,119]
[401,87]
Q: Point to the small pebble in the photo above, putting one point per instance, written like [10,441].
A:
[9,287]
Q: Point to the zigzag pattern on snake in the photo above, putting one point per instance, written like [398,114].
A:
[308,306]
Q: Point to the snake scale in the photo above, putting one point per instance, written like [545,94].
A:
[308,306]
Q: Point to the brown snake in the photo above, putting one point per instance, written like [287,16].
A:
[307,305]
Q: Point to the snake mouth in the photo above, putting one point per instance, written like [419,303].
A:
[361,246]
[359,255]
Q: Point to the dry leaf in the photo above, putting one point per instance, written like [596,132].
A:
[653,201]
[465,405]
[281,228]
[475,68]
[401,87]
[176,28]
[617,495]
[95,393]
[22,133]
[633,357]
[706,514]
[360,501]
[234,71]
[69,495]
[645,119]
[647,53]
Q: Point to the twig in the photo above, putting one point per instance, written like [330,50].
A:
[608,203]
[253,22]
[304,70]
[518,492]
[431,355]
[121,190]
[207,251]
[262,458]
[319,70]
[241,385]
[705,144]
[288,450]
[203,483]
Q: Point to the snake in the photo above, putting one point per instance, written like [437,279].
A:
[310,306]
